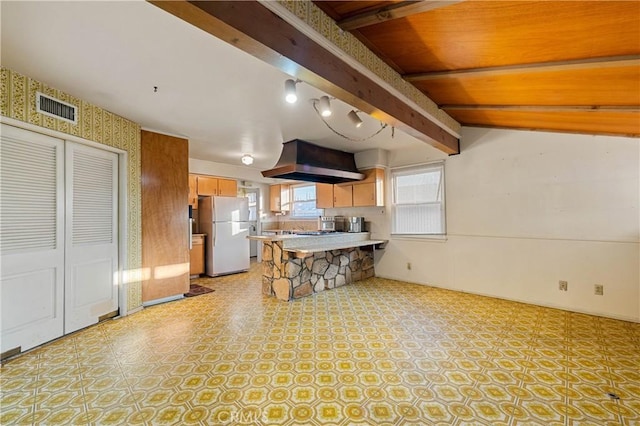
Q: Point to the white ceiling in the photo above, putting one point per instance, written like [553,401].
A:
[223,100]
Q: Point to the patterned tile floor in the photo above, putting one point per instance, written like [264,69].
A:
[378,352]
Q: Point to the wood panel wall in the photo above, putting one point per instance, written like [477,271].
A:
[165,216]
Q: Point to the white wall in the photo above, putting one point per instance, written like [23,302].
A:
[526,209]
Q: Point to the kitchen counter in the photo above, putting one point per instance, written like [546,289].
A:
[304,244]
[295,265]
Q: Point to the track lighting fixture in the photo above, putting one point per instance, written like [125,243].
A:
[247,160]
[325,106]
[290,91]
[353,117]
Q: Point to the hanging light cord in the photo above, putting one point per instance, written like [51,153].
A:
[382,127]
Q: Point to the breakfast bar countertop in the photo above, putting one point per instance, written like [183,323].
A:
[305,243]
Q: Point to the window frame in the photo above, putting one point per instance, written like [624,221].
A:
[293,202]
[416,169]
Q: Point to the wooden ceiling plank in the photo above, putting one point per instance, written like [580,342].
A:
[624,123]
[394,11]
[572,65]
[253,28]
[544,108]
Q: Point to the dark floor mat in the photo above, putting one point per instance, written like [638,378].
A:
[197,290]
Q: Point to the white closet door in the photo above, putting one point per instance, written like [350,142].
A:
[91,269]
[31,238]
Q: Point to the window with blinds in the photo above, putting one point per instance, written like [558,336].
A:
[418,200]
[304,202]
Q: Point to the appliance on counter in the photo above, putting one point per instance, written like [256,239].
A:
[326,223]
[226,222]
[354,224]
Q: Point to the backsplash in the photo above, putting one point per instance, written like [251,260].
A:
[291,225]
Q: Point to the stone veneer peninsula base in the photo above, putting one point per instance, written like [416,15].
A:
[288,276]
[297,266]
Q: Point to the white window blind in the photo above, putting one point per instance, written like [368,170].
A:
[418,200]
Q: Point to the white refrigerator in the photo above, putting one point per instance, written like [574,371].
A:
[225,220]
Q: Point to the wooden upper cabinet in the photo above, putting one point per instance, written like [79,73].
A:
[227,187]
[342,195]
[207,185]
[369,191]
[279,198]
[211,186]
[365,193]
[324,195]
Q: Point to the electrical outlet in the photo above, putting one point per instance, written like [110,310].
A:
[408,266]
[598,290]
[563,285]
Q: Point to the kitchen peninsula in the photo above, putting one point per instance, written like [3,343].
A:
[299,265]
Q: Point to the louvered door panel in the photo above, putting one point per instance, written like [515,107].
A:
[31,235]
[91,235]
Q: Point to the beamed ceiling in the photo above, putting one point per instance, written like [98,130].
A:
[568,66]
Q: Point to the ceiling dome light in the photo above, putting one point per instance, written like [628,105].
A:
[353,117]
[325,106]
[290,91]
[247,159]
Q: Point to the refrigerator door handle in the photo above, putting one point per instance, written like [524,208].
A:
[190,234]
[213,231]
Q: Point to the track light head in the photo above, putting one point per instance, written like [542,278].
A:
[353,117]
[290,91]
[325,106]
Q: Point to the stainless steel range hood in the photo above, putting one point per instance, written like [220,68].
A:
[301,160]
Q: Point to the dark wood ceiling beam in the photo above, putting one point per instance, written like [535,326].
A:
[394,11]
[590,63]
[544,108]
[251,27]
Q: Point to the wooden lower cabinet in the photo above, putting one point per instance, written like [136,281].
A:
[197,255]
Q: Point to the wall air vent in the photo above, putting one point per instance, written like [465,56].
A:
[56,108]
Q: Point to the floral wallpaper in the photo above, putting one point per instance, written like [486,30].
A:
[18,101]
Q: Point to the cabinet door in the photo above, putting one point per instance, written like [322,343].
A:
[32,235]
[207,185]
[196,259]
[364,194]
[165,224]
[227,187]
[275,202]
[324,195]
[193,191]
[343,195]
